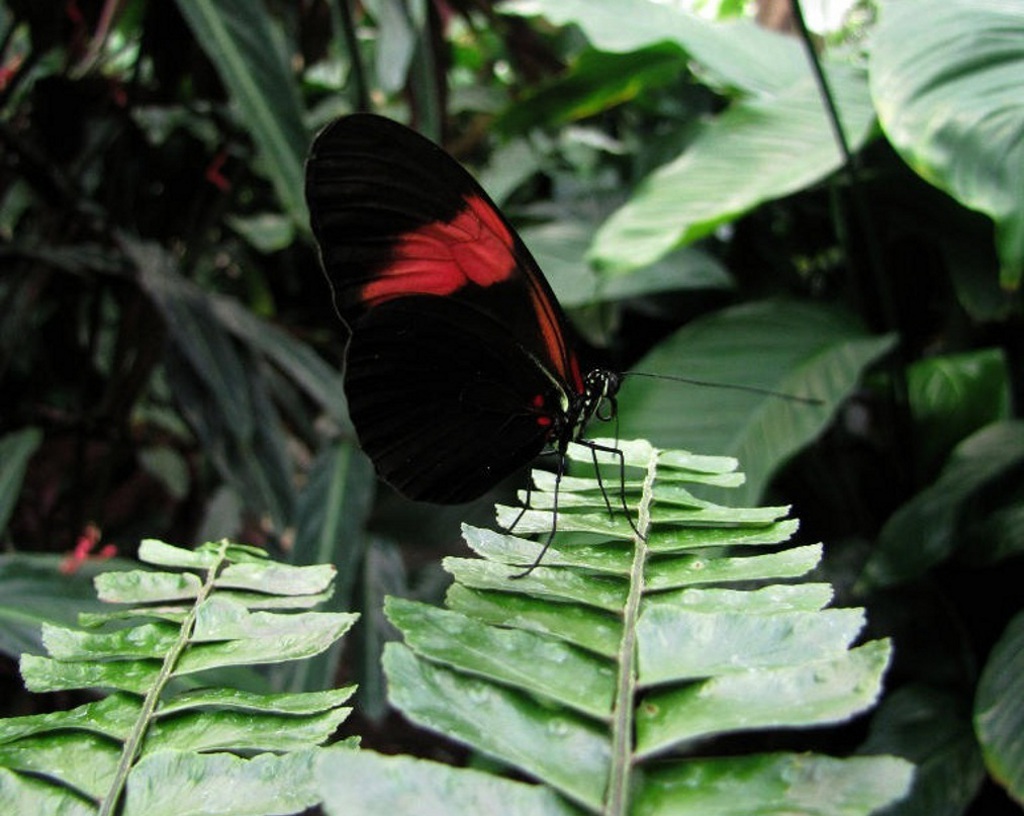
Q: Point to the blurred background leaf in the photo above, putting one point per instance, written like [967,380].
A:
[996,719]
[775,345]
[255,64]
[16,449]
[947,98]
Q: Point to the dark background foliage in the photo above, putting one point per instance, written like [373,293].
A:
[170,361]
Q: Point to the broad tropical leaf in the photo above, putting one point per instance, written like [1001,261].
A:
[774,140]
[731,55]
[559,245]
[982,471]
[998,715]
[945,79]
[758,150]
[776,345]
[595,82]
[931,728]
[953,395]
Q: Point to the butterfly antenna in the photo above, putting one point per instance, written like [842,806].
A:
[752,389]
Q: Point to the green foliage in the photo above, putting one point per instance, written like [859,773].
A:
[734,54]
[770,143]
[254,63]
[374,783]
[676,637]
[169,358]
[946,94]
[997,719]
[759,150]
[953,395]
[166,739]
[932,728]
[810,353]
[973,510]
[34,591]
[16,449]
[597,82]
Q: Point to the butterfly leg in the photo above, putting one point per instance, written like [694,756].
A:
[524,508]
[594,448]
[554,520]
[600,480]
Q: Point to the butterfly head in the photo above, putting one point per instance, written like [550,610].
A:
[600,387]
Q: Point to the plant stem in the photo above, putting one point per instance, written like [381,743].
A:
[133,744]
[344,22]
[851,169]
[99,37]
[617,796]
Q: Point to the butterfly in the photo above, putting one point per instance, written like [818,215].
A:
[459,369]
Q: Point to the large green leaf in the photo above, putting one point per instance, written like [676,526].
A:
[397,35]
[243,42]
[595,82]
[194,611]
[759,149]
[984,471]
[601,672]
[775,141]
[795,349]
[735,54]
[945,79]
[952,396]
[998,714]
[560,246]
[932,729]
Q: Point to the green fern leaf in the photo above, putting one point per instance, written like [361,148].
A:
[604,673]
[168,740]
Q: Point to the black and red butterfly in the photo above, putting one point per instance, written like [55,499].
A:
[458,371]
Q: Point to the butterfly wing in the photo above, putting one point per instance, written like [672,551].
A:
[444,402]
[396,216]
[458,370]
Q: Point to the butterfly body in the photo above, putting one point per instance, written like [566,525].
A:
[458,370]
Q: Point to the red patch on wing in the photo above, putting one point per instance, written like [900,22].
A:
[543,420]
[443,256]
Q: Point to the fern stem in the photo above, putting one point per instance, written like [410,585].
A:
[617,797]
[133,745]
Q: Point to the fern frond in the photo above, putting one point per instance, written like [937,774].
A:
[605,673]
[168,740]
